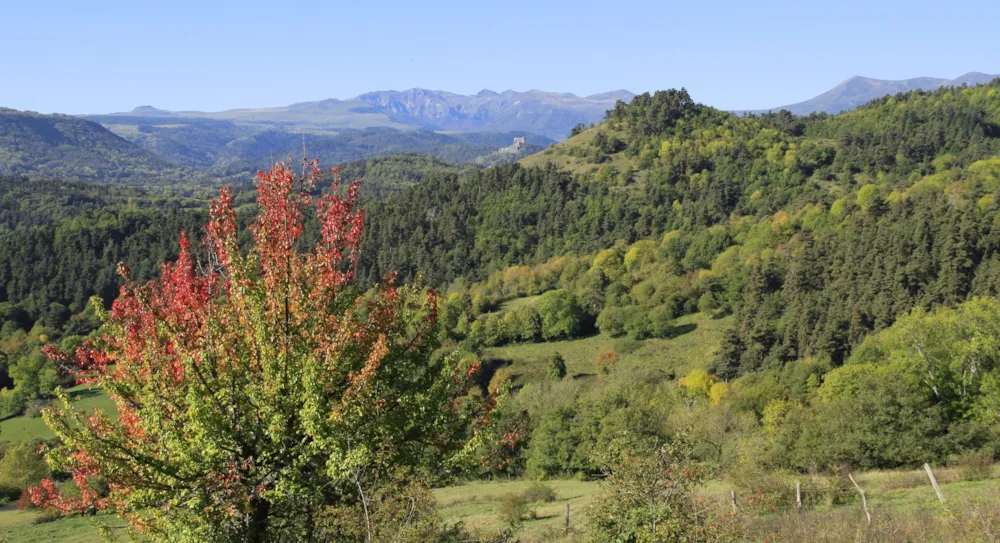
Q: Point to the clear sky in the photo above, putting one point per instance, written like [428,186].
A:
[104,56]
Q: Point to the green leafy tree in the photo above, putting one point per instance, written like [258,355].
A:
[259,390]
[557,367]
[649,496]
[561,315]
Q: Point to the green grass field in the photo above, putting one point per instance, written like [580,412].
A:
[476,505]
[23,428]
[511,305]
[559,156]
[20,527]
[693,345]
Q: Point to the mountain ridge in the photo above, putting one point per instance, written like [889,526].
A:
[859,90]
[552,114]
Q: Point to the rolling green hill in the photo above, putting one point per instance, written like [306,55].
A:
[224,147]
[63,147]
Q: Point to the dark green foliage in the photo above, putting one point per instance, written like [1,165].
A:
[557,367]
[64,147]
[70,261]
[20,467]
[447,227]
[387,174]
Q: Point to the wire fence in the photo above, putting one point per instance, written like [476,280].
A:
[846,488]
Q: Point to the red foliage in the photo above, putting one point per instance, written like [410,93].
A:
[171,332]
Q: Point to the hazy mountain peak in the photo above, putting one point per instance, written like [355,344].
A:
[858,90]
[620,94]
[150,111]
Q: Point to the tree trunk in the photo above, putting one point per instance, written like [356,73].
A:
[257,529]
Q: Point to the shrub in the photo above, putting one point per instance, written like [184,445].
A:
[512,509]
[637,325]
[975,465]
[707,303]
[539,493]
[605,360]
[531,323]
[661,321]
[34,409]
[611,320]
[557,367]
[20,467]
[649,495]
[698,383]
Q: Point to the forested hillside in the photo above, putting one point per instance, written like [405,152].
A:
[814,233]
[227,148]
[775,293]
[877,210]
[64,147]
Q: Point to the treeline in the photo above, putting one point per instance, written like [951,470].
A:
[449,227]
[60,244]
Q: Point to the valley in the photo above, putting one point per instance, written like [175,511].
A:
[661,315]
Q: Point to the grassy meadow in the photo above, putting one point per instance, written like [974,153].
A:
[903,503]
[24,428]
[692,345]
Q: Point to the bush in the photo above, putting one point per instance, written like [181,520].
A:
[531,323]
[557,367]
[34,409]
[611,320]
[20,467]
[539,493]
[512,509]
[605,360]
[975,465]
[638,325]
[12,402]
[661,321]
[650,496]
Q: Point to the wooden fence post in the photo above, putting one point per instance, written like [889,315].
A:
[567,516]
[798,496]
[930,474]
[864,500]
[732,499]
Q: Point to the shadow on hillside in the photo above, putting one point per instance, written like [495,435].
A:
[542,517]
[84,394]
[678,331]
[488,368]
[580,376]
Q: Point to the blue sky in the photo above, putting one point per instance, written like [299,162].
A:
[103,56]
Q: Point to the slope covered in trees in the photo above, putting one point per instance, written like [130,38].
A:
[220,146]
[852,261]
[814,233]
[64,147]
[857,217]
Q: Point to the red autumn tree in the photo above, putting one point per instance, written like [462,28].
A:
[257,389]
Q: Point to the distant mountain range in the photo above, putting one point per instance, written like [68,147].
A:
[168,150]
[551,114]
[858,91]
[150,145]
